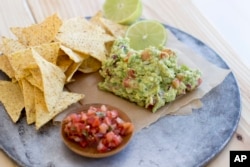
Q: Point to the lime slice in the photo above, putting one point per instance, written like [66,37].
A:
[122,11]
[145,33]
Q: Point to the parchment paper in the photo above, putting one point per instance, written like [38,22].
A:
[141,117]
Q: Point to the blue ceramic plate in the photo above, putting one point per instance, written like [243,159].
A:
[188,141]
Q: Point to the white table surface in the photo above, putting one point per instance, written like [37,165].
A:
[231,18]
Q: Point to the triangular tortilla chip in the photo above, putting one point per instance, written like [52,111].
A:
[63,62]
[29,101]
[75,56]
[53,80]
[49,51]
[6,67]
[80,24]
[43,115]
[87,43]
[83,36]
[20,62]
[109,26]
[37,34]
[71,71]
[35,78]
[10,46]
[12,98]
[115,29]
[90,65]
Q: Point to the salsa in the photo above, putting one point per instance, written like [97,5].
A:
[97,127]
[150,77]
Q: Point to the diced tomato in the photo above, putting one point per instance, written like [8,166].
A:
[112,114]
[127,128]
[83,116]
[176,83]
[145,55]
[101,147]
[131,73]
[112,140]
[107,121]
[103,128]
[127,82]
[83,143]
[74,117]
[94,121]
[91,111]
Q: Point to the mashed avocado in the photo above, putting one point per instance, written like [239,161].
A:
[150,78]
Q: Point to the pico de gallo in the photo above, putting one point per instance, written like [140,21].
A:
[98,127]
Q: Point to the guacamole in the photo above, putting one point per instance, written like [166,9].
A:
[150,77]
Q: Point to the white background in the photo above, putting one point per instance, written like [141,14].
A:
[231,18]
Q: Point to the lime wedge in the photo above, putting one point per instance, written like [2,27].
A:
[145,33]
[122,11]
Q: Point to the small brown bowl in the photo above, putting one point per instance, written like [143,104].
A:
[92,151]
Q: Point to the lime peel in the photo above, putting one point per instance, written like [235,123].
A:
[122,11]
[146,33]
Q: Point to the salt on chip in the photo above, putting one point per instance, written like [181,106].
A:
[29,101]
[43,115]
[37,34]
[53,80]
[12,98]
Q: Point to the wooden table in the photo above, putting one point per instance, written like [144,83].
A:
[178,13]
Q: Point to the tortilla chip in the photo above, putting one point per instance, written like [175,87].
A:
[43,115]
[75,56]
[90,65]
[49,51]
[37,34]
[20,62]
[112,28]
[87,43]
[71,71]
[6,67]
[10,46]
[96,19]
[115,29]
[35,78]
[53,80]
[63,62]
[41,109]
[29,101]
[82,36]
[12,98]
[80,24]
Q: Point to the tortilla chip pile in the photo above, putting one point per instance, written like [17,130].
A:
[44,58]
